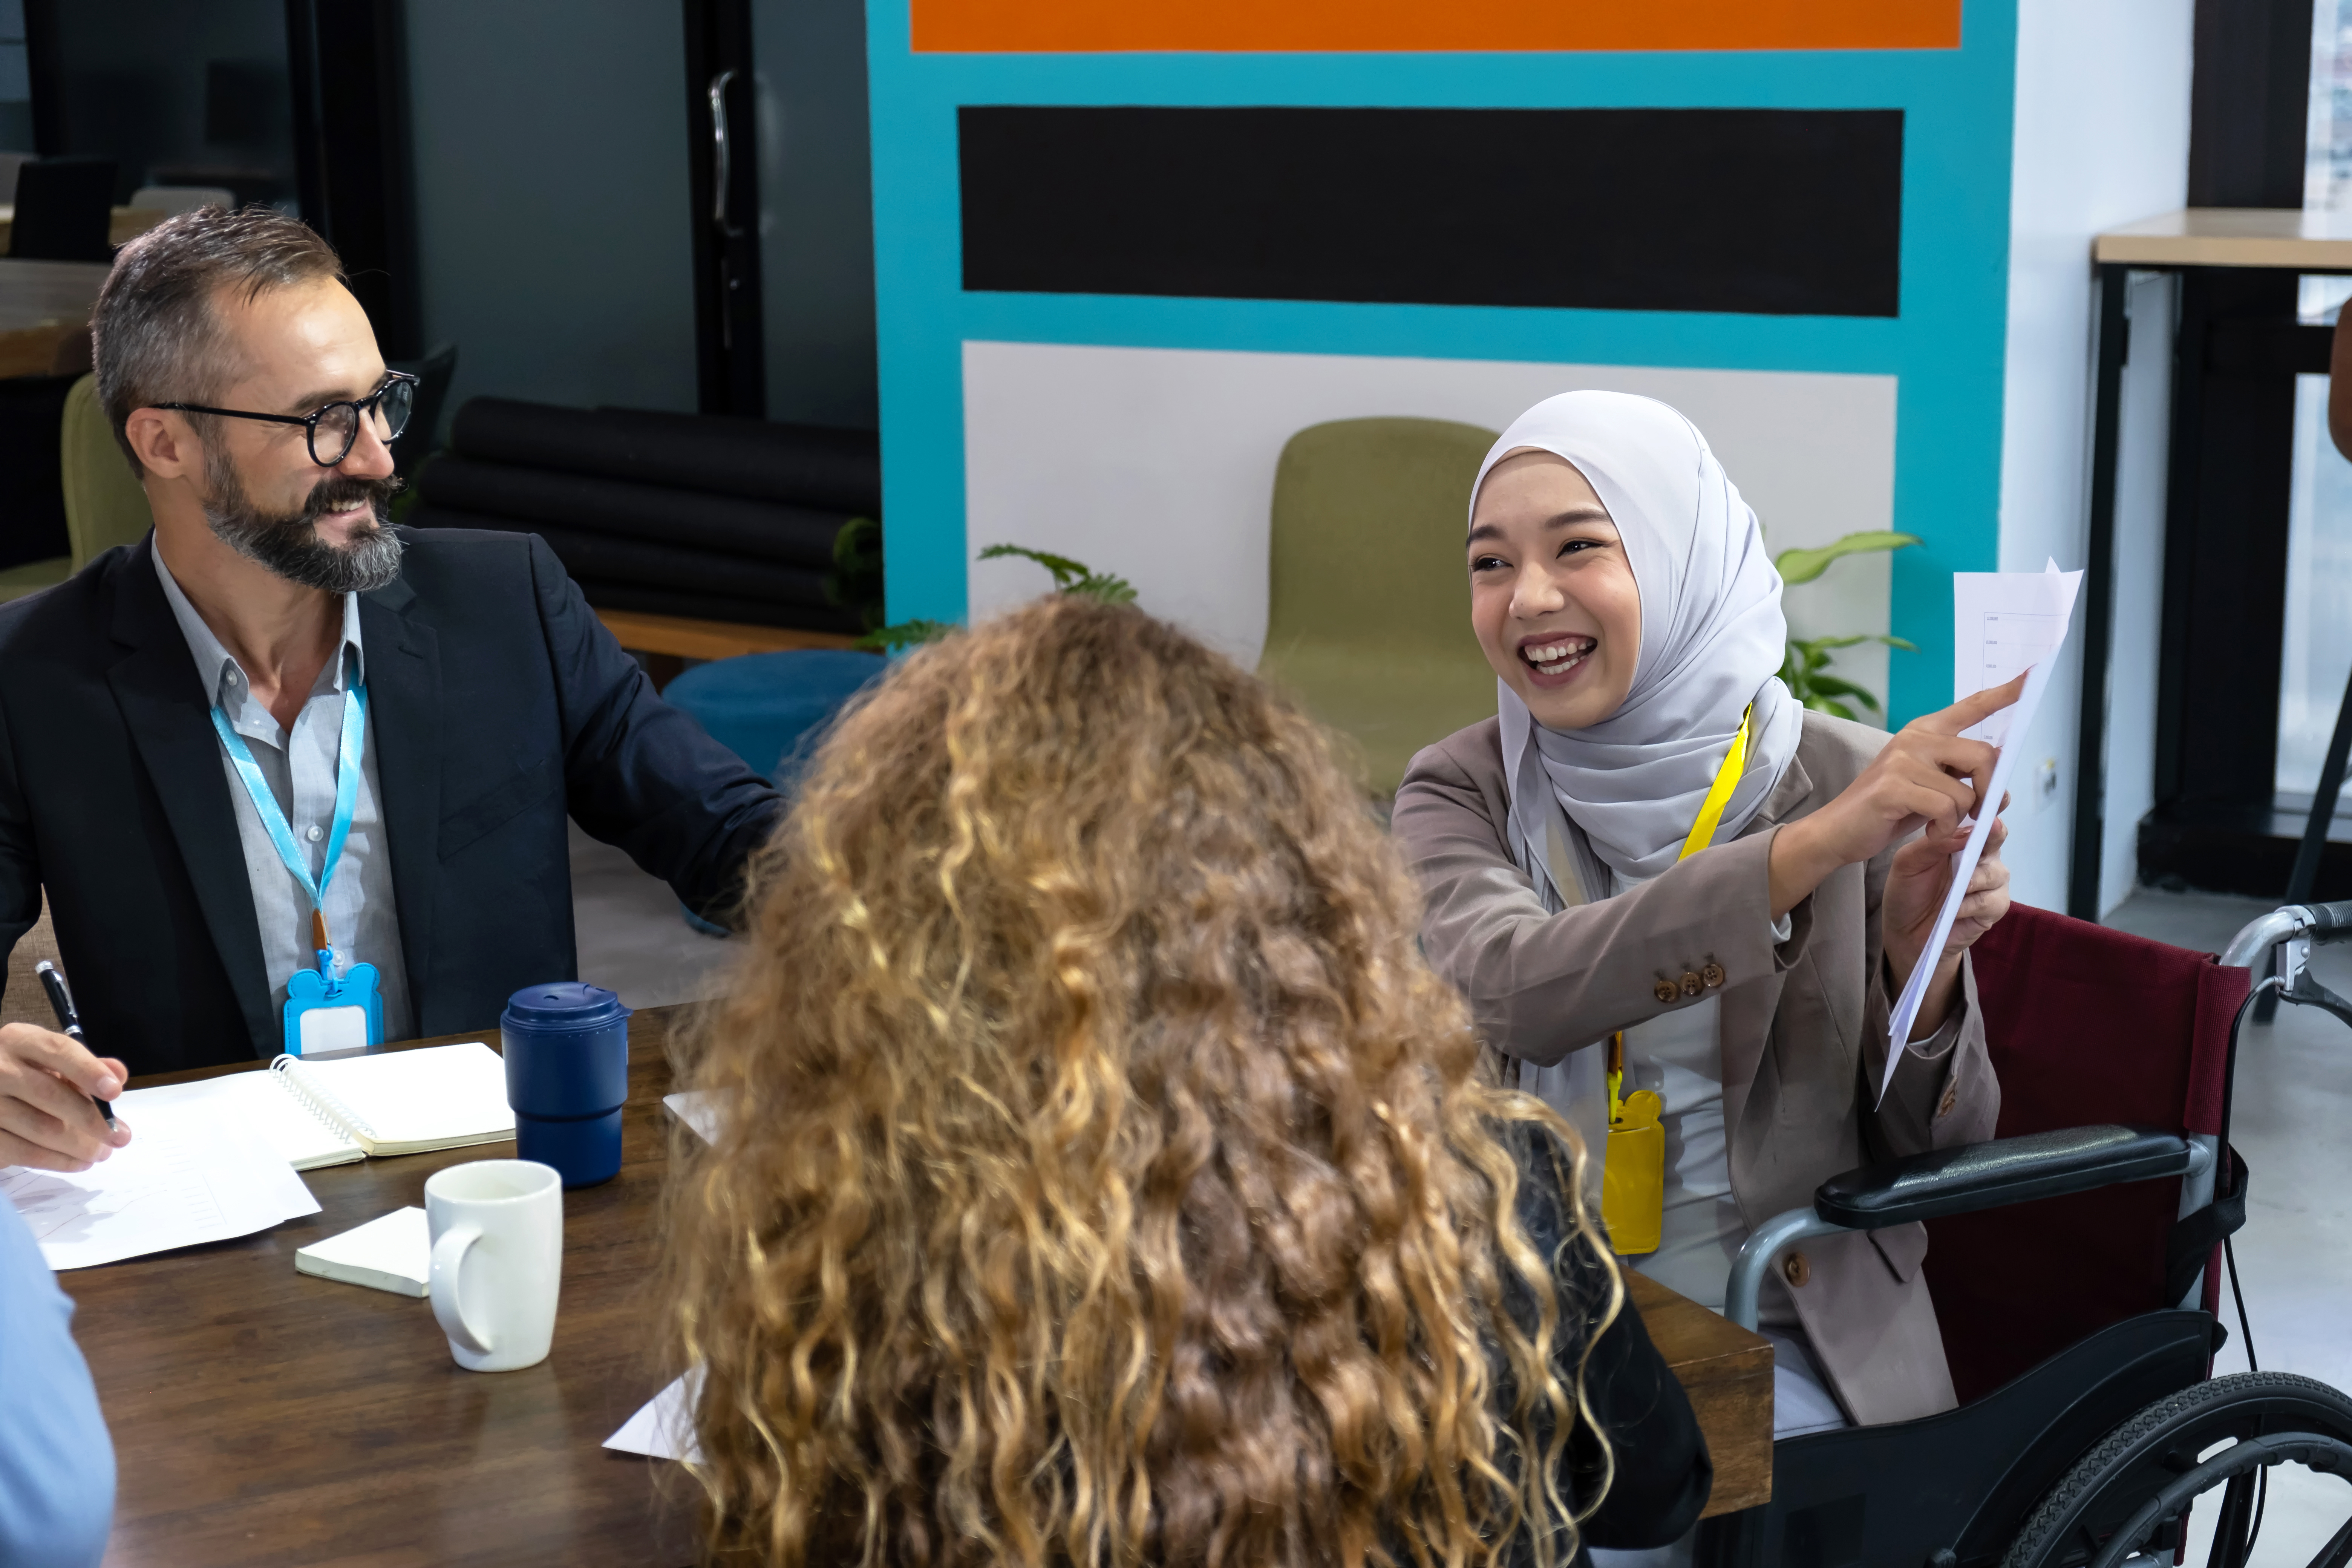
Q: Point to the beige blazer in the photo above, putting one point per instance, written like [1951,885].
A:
[1803,1026]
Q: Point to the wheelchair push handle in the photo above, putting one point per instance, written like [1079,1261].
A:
[2278,946]
[2292,922]
[2331,922]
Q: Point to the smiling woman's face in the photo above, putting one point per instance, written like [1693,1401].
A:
[1552,596]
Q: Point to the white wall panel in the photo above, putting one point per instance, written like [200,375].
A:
[1158,463]
[2101,138]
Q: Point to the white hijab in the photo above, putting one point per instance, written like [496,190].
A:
[1713,639]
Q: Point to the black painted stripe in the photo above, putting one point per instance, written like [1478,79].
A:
[1763,211]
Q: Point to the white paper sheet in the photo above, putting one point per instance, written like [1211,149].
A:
[698,1108]
[663,1428]
[185,1178]
[2002,622]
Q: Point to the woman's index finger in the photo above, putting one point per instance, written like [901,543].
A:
[1973,710]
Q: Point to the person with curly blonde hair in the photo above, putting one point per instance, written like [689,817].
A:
[1104,1178]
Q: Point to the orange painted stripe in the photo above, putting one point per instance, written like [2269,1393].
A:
[1063,27]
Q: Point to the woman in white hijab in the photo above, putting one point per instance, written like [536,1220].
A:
[1619,588]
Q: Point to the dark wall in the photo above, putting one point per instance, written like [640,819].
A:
[2248,103]
[15,82]
[550,158]
[175,93]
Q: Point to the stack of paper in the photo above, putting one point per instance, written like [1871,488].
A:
[185,1178]
[392,1252]
[2003,622]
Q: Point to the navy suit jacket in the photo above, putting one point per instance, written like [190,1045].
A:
[500,704]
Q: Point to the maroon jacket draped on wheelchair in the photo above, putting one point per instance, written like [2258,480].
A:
[2085,1025]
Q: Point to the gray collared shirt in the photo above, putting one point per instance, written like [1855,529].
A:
[363,921]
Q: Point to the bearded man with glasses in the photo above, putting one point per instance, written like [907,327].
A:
[281,738]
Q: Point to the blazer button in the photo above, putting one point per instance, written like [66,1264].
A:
[1951,1100]
[1796,1270]
[1712,975]
[1665,990]
[1692,984]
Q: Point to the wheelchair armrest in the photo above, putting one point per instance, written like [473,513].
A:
[2001,1171]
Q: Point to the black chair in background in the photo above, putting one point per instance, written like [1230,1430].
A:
[419,441]
[65,207]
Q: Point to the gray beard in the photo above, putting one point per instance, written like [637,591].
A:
[290,545]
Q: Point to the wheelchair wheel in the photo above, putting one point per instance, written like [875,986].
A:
[2131,1494]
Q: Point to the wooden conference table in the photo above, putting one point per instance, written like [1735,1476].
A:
[261,1415]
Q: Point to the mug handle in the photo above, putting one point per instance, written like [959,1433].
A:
[448,1260]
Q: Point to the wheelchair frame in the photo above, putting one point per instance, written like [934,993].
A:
[2037,1474]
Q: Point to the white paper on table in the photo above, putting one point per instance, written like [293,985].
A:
[663,1428]
[184,1178]
[699,1109]
[2003,622]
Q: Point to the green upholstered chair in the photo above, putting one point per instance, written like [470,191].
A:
[16,582]
[1369,620]
[105,505]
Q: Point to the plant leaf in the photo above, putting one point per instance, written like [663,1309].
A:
[1101,585]
[1830,686]
[1802,565]
[1066,571]
[882,639]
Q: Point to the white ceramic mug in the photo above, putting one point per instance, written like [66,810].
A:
[498,1257]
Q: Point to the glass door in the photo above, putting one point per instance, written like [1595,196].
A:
[816,211]
[783,209]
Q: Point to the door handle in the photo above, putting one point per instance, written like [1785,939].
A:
[722,156]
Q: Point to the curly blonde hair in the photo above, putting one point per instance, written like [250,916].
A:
[1106,1180]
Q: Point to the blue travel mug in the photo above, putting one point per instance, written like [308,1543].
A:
[567,1054]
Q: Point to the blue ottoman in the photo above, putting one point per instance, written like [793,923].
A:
[762,706]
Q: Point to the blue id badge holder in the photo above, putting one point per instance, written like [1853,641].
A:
[326,1017]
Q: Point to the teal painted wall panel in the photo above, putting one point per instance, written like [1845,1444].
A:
[1944,347]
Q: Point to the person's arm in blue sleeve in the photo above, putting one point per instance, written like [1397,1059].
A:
[57,1463]
[637,773]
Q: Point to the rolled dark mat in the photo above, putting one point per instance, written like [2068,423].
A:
[801,465]
[604,557]
[705,607]
[797,536]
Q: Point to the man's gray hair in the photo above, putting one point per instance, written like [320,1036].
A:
[155,336]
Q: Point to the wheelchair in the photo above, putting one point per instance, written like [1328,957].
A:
[2075,1272]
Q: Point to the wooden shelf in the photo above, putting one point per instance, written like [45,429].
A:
[2287,238]
[681,638]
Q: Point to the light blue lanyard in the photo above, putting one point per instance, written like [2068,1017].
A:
[347,794]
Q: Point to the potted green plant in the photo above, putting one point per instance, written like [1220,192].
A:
[1805,669]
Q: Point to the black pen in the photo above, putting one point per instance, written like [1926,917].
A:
[68,1021]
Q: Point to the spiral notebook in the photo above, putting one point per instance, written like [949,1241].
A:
[334,1113]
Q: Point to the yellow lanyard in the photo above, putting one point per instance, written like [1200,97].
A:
[1702,833]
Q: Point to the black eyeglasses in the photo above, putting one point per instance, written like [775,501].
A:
[337,426]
